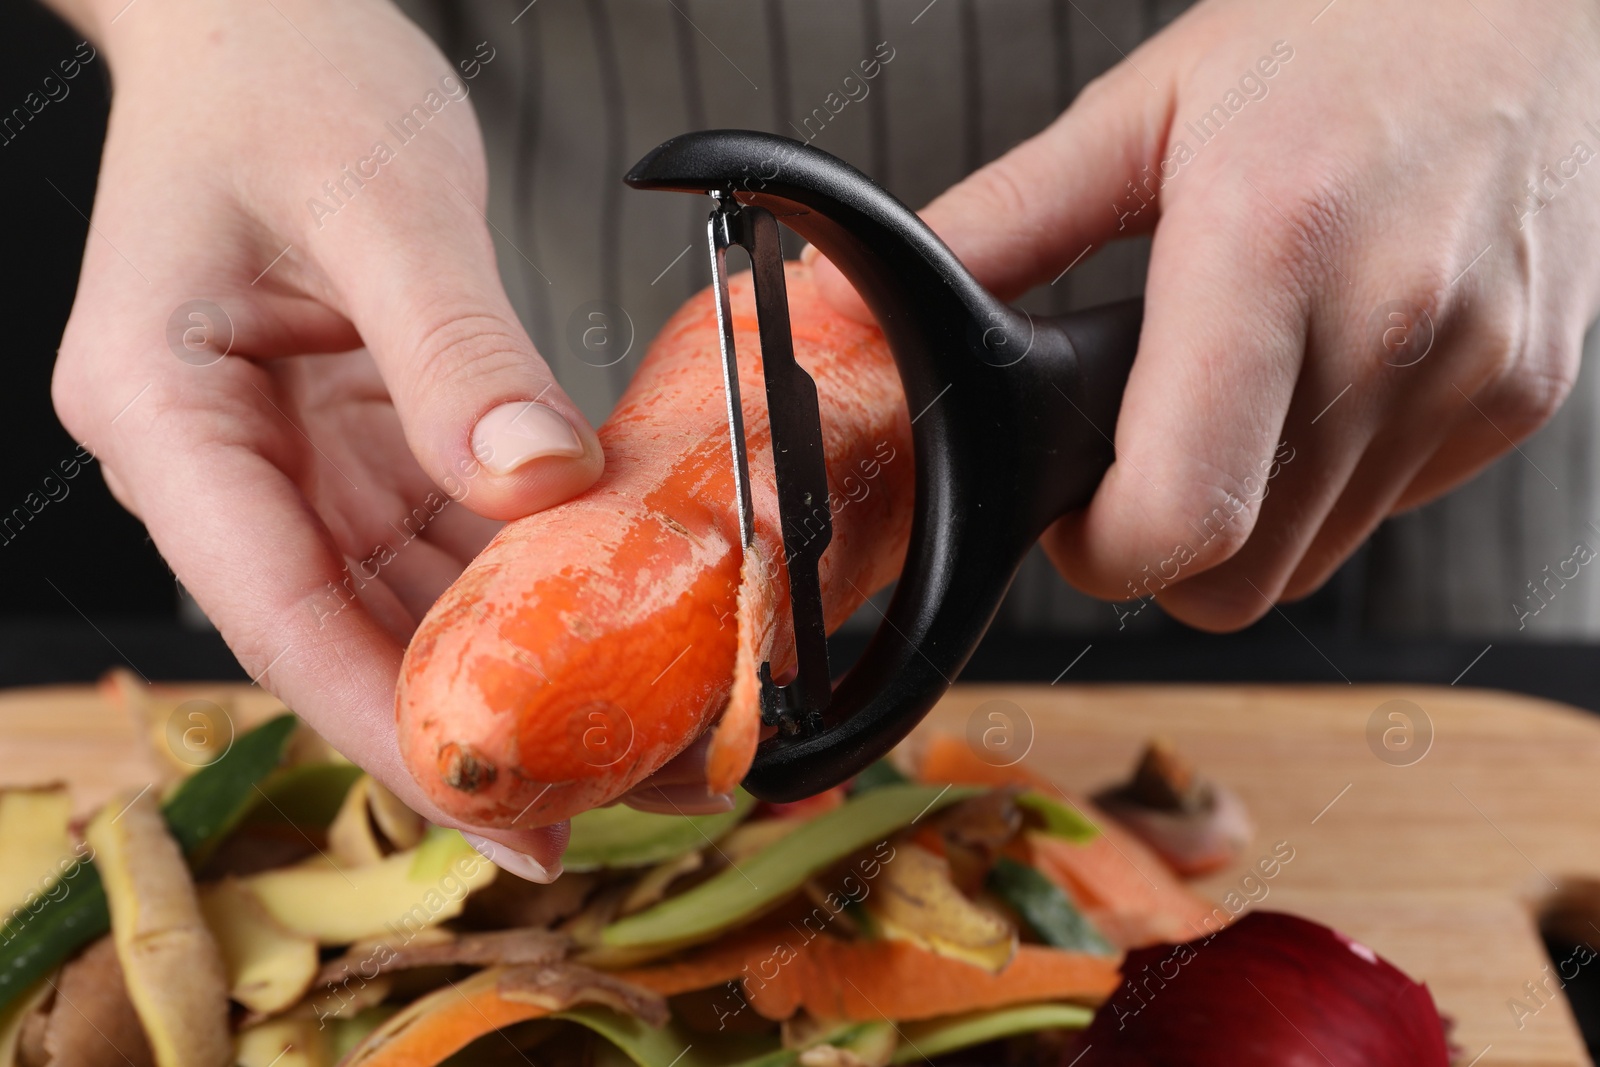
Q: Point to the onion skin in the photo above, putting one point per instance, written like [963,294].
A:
[1270,990]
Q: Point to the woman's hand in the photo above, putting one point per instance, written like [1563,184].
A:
[291,350]
[1372,270]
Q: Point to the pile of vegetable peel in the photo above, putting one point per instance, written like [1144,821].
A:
[277,908]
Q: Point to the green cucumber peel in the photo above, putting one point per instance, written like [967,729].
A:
[619,836]
[935,1037]
[309,794]
[880,774]
[1046,910]
[439,849]
[200,813]
[1060,818]
[738,893]
[671,1044]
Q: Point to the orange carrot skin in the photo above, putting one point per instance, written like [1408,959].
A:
[863,980]
[1126,890]
[590,643]
[452,1026]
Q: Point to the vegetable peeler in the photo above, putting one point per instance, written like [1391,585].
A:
[1014,425]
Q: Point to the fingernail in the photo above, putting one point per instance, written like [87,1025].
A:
[511,861]
[704,803]
[513,434]
[679,800]
[809,254]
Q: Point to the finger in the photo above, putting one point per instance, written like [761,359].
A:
[416,574]
[1091,176]
[475,400]
[1438,440]
[519,852]
[244,541]
[678,800]
[1219,355]
[1375,487]
[118,490]
[1491,420]
[461,533]
[1333,479]
[679,785]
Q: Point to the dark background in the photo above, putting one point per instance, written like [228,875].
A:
[96,554]
[82,588]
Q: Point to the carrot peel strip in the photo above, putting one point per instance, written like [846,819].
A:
[864,980]
[733,744]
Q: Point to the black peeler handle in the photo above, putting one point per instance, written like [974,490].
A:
[1013,419]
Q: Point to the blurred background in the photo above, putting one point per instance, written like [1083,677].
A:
[82,588]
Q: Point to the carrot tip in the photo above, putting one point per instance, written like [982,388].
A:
[465,768]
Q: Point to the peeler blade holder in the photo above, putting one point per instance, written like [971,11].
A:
[1013,421]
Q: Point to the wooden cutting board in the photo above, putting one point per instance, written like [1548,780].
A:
[1437,862]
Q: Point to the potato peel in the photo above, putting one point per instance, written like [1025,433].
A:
[174,970]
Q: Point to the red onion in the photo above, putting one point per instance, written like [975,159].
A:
[1272,990]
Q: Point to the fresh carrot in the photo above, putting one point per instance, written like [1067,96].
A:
[591,642]
[1124,888]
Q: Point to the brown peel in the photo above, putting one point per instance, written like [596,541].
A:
[1194,824]
[174,970]
[94,1024]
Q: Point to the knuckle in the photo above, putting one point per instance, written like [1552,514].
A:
[998,188]
[455,346]
[1308,217]
[1108,88]
[1207,523]
[1535,380]
[1225,518]
[1427,288]
[1227,603]
[73,392]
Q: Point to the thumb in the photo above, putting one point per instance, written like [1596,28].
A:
[480,409]
[1038,209]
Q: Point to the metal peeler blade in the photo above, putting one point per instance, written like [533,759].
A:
[797,457]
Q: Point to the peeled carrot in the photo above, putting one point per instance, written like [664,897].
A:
[1125,889]
[590,643]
